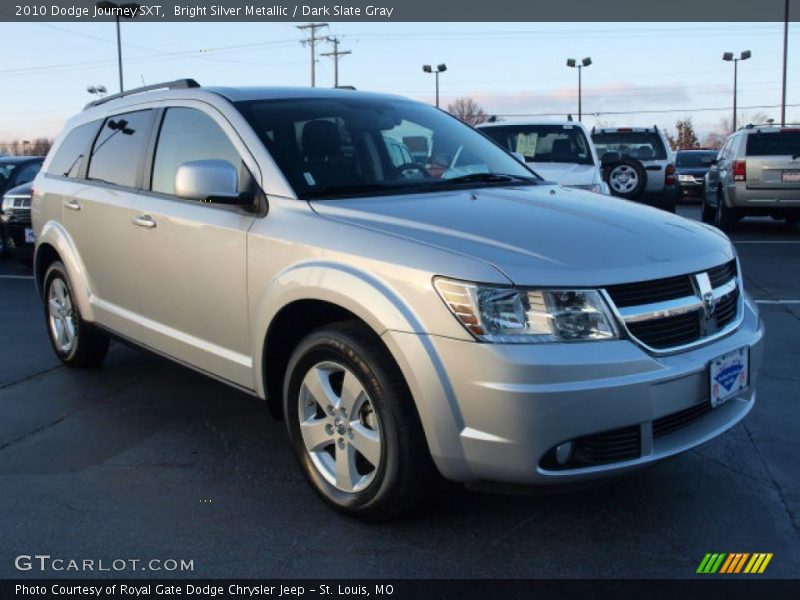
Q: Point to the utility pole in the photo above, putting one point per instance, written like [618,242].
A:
[311,41]
[335,54]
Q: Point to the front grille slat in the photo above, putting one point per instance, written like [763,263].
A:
[664,333]
[671,423]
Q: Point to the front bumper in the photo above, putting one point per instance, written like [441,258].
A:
[492,413]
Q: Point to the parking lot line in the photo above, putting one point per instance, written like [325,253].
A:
[777,301]
[16,276]
[766,241]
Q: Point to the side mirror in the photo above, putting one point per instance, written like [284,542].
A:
[211,181]
[519,157]
[610,157]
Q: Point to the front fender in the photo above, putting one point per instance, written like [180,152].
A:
[359,292]
[55,235]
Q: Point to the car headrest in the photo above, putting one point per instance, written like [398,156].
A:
[645,153]
[562,146]
[321,139]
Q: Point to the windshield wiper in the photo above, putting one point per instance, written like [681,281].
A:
[487,178]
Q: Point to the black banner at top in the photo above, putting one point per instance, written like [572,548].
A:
[405,10]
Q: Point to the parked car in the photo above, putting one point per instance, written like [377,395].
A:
[558,151]
[16,217]
[691,167]
[15,171]
[476,321]
[757,172]
[638,164]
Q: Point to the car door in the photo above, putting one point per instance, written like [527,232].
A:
[97,214]
[194,255]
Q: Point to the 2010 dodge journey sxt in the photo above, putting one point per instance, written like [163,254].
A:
[402,291]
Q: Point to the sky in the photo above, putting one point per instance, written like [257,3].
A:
[508,68]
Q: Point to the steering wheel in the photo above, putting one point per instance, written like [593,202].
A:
[411,167]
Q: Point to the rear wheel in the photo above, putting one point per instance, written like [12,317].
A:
[74,341]
[353,425]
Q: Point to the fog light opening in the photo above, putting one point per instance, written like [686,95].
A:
[564,453]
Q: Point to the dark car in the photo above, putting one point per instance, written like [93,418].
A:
[16,217]
[15,171]
[691,167]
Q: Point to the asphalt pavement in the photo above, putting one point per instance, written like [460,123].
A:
[143,459]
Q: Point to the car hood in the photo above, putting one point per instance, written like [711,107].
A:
[566,173]
[544,234]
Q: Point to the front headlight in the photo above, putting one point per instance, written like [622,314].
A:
[686,178]
[517,316]
[592,187]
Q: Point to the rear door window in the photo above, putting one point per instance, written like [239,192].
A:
[119,148]
[774,143]
[67,159]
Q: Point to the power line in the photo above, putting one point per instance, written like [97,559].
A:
[336,53]
[643,111]
[311,42]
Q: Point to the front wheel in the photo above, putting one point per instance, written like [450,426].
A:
[74,341]
[725,217]
[353,425]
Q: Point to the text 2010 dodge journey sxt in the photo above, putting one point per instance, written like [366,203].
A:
[405,294]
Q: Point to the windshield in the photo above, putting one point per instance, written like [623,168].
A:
[695,159]
[544,143]
[332,147]
[774,143]
[641,145]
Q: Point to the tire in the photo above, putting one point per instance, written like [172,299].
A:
[74,341]
[725,217]
[709,213]
[376,416]
[626,178]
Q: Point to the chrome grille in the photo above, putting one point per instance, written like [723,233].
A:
[678,312]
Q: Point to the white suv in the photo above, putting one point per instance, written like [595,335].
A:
[451,313]
[558,151]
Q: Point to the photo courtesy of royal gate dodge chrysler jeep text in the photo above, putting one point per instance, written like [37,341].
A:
[408,314]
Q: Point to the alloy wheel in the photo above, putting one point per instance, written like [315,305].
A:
[339,426]
[63,327]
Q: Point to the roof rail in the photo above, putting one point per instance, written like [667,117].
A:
[167,85]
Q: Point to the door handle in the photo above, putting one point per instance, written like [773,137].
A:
[72,204]
[144,221]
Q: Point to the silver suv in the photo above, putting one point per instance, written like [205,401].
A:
[757,172]
[449,314]
[638,164]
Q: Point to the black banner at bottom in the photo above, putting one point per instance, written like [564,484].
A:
[399,589]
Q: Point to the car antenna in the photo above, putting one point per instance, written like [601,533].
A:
[569,117]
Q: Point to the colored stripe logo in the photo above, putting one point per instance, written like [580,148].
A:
[734,562]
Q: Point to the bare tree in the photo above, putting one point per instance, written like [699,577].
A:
[467,110]
[37,147]
[685,137]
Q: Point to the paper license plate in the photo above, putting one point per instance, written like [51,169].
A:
[729,375]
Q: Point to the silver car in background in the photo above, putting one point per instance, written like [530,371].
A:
[757,173]
[408,313]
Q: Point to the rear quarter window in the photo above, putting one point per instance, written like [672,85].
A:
[774,143]
[67,159]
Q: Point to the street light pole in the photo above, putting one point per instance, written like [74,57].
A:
[571,62]
[728,56]
[785,60]
[441,68]
[130,9]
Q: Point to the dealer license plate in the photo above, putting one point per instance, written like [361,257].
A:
[790,176]
[730,374]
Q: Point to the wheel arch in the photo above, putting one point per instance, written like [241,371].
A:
[52,244]
[307,297]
